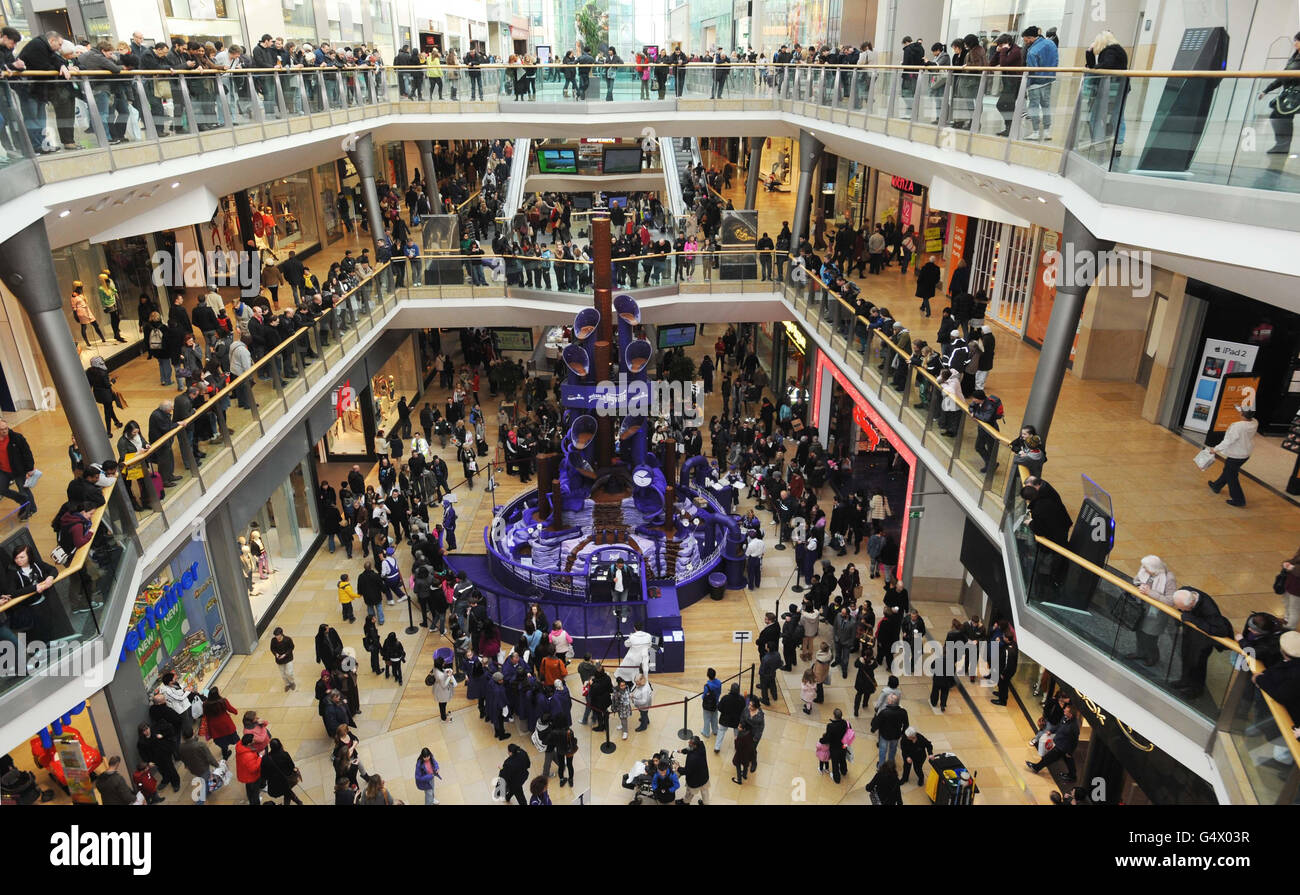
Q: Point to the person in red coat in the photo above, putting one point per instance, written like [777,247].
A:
[248,768]
[216,715]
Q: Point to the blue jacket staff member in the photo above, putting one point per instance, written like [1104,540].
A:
[1040,52]
[754,559]
[1235,449]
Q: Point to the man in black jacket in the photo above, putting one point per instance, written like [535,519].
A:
[916,749]
[889,724]
[41,53]
[1048,516]
[160,423]
[1201,613]
[371,587]
[16,463]
[514,771]
[156,745]
[696,773]
[265,56]
[833,739]
[86,488]
[1064,740]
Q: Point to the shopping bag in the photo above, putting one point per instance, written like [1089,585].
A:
[32,478]
[1204,459]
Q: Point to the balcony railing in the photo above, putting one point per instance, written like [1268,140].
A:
[1048,119]
[233,419]
[1097,605]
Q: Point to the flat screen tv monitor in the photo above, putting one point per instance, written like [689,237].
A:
[676,336]
[616,201]
[622,160]
[582,203]
[557,161]
[514,338]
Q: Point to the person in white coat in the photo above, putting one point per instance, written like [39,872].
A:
[637,659]
[1156,581]
[444,687]
[1235,449]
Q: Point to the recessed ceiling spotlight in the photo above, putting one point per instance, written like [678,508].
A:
[1041,199]
[64,213]
[175,184]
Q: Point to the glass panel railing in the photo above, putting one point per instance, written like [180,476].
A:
[1266,750]
[1099,606]
[75,596]
[183,463]
[1028,117]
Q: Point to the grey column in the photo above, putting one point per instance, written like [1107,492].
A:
[28,270]
[1061,327]
[810,153]
[430,175]
[241,627]
[362,156]
[755,168]
[914,528]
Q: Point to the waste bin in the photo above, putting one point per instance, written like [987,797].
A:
[717,585]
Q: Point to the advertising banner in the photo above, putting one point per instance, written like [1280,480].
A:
[1219,359]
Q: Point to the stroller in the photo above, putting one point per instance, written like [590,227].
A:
[641,779]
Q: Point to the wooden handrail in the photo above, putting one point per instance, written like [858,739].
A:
[1280,715]
[79,556]
[230,387]
[906,356]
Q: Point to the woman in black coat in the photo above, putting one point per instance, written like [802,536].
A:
[394,656]
[329,648]
[279,773]
[101,387]
[885,785]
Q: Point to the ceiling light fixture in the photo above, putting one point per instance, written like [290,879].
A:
[64,213]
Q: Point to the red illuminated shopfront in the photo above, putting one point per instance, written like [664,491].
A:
[872,428]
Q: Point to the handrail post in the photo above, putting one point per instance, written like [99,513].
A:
[607,747]
[1014,132]
[685,733]
[191,123]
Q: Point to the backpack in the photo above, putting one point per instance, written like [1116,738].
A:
[155,339]
[992,409]
[709,702]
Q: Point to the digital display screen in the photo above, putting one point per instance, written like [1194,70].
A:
[676,336]
[622,160]
[616,201]
[514,339]
[557,161]
[582,203]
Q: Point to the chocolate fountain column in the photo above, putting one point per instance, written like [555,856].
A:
[546,465]
[602,363]
[670,489]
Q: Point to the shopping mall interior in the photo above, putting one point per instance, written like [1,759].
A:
[451,392]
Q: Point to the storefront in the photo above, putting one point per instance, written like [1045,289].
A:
[1124,768]
[278,536]
[327,187]
[879,460]
[63,755]
[177,623]
[284,219]
[128,263]
[360,414]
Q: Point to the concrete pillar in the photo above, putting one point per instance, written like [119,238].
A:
[244,215]
[28,270]
[362,156]
[810,154]
[430,175]
[1076,240]
[755,168]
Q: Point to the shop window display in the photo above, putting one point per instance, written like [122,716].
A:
[177,624]
[101,294]
[276,538]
